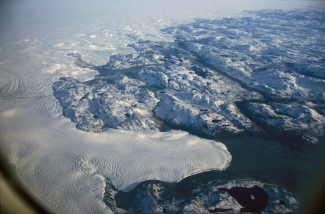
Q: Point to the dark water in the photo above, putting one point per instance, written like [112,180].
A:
[280,158]
[252,199]
[252,158]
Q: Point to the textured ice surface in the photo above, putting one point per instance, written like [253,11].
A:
[66,167]
[77,162]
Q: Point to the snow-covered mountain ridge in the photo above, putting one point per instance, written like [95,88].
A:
[272,62]
[260,75]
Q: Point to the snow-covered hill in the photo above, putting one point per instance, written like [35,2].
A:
[217,196]
[195,82]
[214,70]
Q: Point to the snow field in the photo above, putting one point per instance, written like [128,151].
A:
[64,167]
[58,154]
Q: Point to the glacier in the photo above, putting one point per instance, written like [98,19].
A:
[238,77]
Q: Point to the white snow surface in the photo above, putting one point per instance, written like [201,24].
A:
[275,56]
[292,117]
[67,167]
[64,167]
[125,157]
[127,93]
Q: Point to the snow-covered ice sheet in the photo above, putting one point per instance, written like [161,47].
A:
[60,155]
[124,157]
[65,167]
